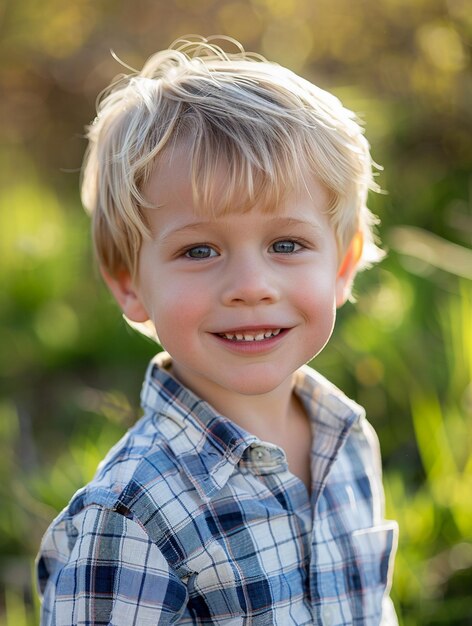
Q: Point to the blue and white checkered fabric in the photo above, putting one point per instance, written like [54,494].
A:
[191,520]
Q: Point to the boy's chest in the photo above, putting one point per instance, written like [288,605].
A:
[260,550]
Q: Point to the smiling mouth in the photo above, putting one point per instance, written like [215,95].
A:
[248,336]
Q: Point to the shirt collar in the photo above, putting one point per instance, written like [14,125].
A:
[333,417]
[327,406]
[209,445]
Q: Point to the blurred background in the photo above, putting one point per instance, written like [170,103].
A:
[70,369]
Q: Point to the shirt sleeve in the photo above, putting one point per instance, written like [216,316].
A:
[100,567]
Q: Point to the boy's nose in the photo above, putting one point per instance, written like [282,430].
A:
[251,284]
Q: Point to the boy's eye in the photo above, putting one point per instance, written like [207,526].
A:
[286,246]
[201,252]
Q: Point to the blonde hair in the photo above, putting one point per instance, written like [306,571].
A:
[269,125]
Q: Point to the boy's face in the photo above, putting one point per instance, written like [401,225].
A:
[240,301]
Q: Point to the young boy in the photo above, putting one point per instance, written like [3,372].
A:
[228,198]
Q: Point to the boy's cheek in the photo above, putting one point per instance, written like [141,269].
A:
[177,311]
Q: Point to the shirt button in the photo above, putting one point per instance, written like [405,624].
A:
[258,454]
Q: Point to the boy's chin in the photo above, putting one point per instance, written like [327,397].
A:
[261,383]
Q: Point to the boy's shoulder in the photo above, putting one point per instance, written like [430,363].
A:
[181,444]
[180,440]
[165,478]
[178,447]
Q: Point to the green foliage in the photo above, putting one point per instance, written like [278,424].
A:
[70,369]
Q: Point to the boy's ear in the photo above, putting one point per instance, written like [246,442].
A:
[347,269]
[125,293]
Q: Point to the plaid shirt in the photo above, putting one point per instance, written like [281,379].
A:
[191,520]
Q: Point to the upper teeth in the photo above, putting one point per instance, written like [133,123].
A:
[251,336]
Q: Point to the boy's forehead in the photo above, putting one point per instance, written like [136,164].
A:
[169,175]
[170,181]
[173,183]
[174,212]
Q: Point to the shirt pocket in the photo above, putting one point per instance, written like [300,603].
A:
[374,553]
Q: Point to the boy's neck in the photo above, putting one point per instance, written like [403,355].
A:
[268,416]
[276,417]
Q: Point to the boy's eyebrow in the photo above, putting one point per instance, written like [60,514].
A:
[183,229]
[278,222]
